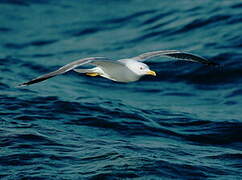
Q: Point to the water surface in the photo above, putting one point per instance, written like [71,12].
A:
[185,123]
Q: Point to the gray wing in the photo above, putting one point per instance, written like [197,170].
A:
[64,69]
[175,54]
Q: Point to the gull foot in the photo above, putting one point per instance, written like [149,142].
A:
[92,74]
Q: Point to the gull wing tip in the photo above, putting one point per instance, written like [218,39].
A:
[21,85]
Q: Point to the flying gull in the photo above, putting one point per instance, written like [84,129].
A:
[123,70]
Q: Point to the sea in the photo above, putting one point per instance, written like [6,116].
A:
[185,123]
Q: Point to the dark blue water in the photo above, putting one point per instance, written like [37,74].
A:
[185,123]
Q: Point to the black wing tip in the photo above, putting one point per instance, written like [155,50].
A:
[22,85]
[201,59]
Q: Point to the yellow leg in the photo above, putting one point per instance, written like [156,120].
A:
[92,74]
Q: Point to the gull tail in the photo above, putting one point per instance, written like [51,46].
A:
[92,70]
[82,70]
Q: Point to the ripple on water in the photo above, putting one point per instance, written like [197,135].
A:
[181,124]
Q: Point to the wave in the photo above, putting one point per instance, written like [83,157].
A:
[32,43]
[175,125]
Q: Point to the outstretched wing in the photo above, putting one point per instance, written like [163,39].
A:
[175,54]
[64,69]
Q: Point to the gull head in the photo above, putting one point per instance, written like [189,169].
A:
[140,68]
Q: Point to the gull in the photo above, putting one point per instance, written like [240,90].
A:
[123,70]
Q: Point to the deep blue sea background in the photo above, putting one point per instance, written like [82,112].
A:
[185,123]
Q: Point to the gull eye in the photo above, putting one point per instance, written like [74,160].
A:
[141,68]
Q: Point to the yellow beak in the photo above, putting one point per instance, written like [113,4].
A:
[152,73]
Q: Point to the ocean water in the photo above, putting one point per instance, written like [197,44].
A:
[185,123]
